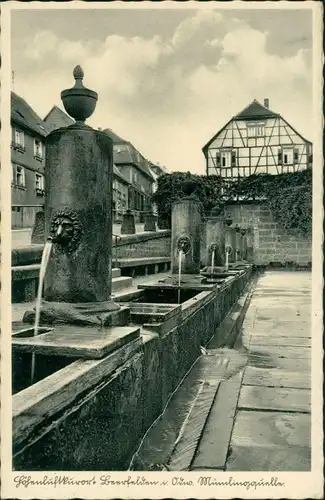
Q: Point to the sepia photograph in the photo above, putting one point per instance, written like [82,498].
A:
[161,250]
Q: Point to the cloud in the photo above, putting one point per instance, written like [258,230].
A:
[169,95]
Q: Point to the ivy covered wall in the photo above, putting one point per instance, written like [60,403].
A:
[273,244]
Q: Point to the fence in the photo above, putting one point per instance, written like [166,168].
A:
[23,216]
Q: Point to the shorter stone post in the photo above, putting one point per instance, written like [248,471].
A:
[244,244]
[238,245]
[38,234]
[128,225]
[250,245]
[186,235]
[149,222]
[230,243]
[215,235]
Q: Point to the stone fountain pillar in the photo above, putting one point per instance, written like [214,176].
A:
[244,244]
[215,240]
[78,213]
[250,245]
[186,235]
[239,239]
[230,244]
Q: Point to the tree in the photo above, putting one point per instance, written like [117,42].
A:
[177,185]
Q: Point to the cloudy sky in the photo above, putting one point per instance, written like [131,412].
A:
[168,79]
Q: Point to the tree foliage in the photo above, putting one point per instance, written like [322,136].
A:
[177,185]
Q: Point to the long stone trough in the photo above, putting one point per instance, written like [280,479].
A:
[90,414]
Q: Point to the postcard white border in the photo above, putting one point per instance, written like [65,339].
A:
[298,485]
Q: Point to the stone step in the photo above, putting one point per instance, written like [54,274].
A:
[116,272]
[121,282]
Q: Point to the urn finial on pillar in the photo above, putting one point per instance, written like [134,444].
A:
[79,102]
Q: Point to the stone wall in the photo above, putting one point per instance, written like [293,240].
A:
[272,243]
[143,245]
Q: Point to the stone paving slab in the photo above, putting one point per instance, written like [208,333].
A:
[274,398]
[272,429]
[279,340]
[260,361]
[286,351]
[277,378]
[262,458]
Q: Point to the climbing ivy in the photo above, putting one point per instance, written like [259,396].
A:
[289,196]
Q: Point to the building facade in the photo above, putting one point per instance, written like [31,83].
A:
[27,162]
[136,170]
[255,141]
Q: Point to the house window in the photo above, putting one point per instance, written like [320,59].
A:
[226,159]
[38,149]
[288,156]
[255,130]
[19,139]
[20,176]
[39,183]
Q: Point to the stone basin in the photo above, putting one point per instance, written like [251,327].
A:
[143,313]
[166,294]
[56,348]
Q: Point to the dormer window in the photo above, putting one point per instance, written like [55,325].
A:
[255,129]
[38,149]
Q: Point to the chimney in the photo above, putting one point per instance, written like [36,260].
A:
[266,103]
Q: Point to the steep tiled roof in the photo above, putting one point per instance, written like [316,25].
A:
[56,118]
[120,175]
[255,111]
[115,138]
[130,154]
[22,114]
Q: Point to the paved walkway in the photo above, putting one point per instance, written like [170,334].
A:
[248,408]
[273,425]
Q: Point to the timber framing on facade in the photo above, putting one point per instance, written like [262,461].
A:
[254,141]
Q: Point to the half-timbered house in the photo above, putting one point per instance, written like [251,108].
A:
[256,140]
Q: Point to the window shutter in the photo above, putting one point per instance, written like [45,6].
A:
[218,159]
[280,156]
[295,155]
[233,158]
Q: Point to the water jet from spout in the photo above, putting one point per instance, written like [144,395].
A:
[212,260]
[179,275]
[44,262]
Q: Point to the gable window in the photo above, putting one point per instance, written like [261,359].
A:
[39,183]
[38,149]
[19,139]
[20,176]
[255,129]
